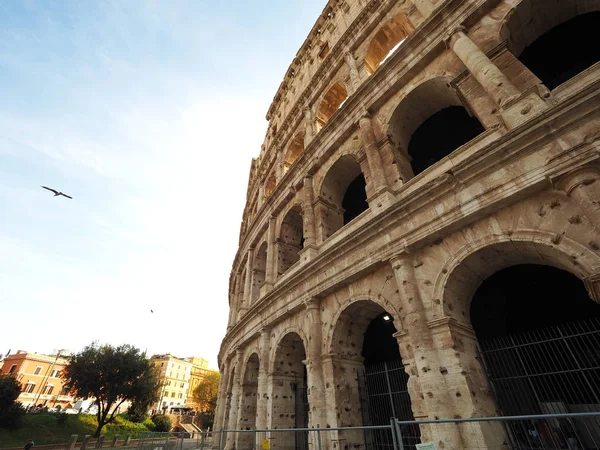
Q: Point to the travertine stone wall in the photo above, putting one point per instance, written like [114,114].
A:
[305,286]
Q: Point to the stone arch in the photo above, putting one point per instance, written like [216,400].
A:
[294,149]
[341,195]
[259,271]
[270,184]
[279,337]
[567,27]
[289,401]
[473,263]
[291,239]
[386,40]
[430,122]
[247,414]
[333,99]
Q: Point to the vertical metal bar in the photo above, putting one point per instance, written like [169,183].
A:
[318,439]
[389,389]
[396,434]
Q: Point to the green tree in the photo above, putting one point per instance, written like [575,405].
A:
[110,375]
[11,411]
[206,394]
[138,410]
[161,423]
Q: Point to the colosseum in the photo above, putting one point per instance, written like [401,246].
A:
[420,237]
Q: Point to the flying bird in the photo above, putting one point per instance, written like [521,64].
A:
[56,193]
[151,311]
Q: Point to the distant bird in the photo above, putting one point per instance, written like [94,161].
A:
[151,311]
[56,193]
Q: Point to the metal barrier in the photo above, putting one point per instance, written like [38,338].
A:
[173,441]
[577,431]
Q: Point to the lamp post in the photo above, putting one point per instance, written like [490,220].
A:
[46,376]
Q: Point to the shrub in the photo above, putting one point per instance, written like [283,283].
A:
[11,412]
[62,418]
[137,413]
[161,423]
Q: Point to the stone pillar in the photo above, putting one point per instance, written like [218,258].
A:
[84,443]
[248,280]
[114,440]
[494,82]
[355,80]
[425,7]
[314,369]
[100,441]
[263,382]
[309,126]
[308,220]
[435,395]
[396,162]
[72,442]
[126,441]
[236,396]
[220,412]
[580,185]
[380,195]
[271,275]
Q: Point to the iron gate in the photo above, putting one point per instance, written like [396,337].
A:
[384,395]
[545,371]
[301,416]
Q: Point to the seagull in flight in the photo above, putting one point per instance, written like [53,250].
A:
[56,193]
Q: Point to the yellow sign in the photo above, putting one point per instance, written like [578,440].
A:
[266,444]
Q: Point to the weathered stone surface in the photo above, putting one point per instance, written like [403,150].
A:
[306,281]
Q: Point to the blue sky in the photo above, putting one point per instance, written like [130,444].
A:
[147,113]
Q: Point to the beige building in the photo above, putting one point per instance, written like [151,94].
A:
[424,209]
[199,372]
[174,374]
[40,378]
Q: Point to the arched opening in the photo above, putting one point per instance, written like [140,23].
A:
[247,419]
[431,122]
[228,396]
[241,293]
[555,45]
[371,384]
[539,335]
[343,196]
[333,100]
[291,240]
[389,37]
[259,272]
[295,148]
[270,185]
[289,399]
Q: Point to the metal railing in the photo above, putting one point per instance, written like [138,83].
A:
[577,431]
[173,441]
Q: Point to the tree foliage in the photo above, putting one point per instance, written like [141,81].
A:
[206,394]
[161,423]
[110,375]
[11,411]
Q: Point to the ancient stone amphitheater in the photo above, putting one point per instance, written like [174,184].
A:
[420,238]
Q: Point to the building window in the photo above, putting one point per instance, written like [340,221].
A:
[172,394]
[37,370]
[29,387]
[181,385]
[55,373]
[162,364]
[48,389]
[180,395]
[168,382]
[12,368]
[166,393]
[65,391]
[171,374]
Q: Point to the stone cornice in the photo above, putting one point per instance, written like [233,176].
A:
[424,192]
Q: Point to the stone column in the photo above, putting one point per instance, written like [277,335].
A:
[355,80]
[220,412]
[396,162]
[72,442]
[309,126]
[248,280]
[263,382]
[84,443]
[308,220]
[271,275]
[435,392]
[115,440]
[314,369]
[494,82]
[580,185]
[236,396]
[100,441]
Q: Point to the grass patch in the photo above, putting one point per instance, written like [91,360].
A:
[45,428]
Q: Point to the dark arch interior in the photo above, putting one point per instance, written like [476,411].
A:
[379,344]
[565,50]
[440,135]
[527,297]
[355,199]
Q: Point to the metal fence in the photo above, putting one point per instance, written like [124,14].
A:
[173,441]
[579,431]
